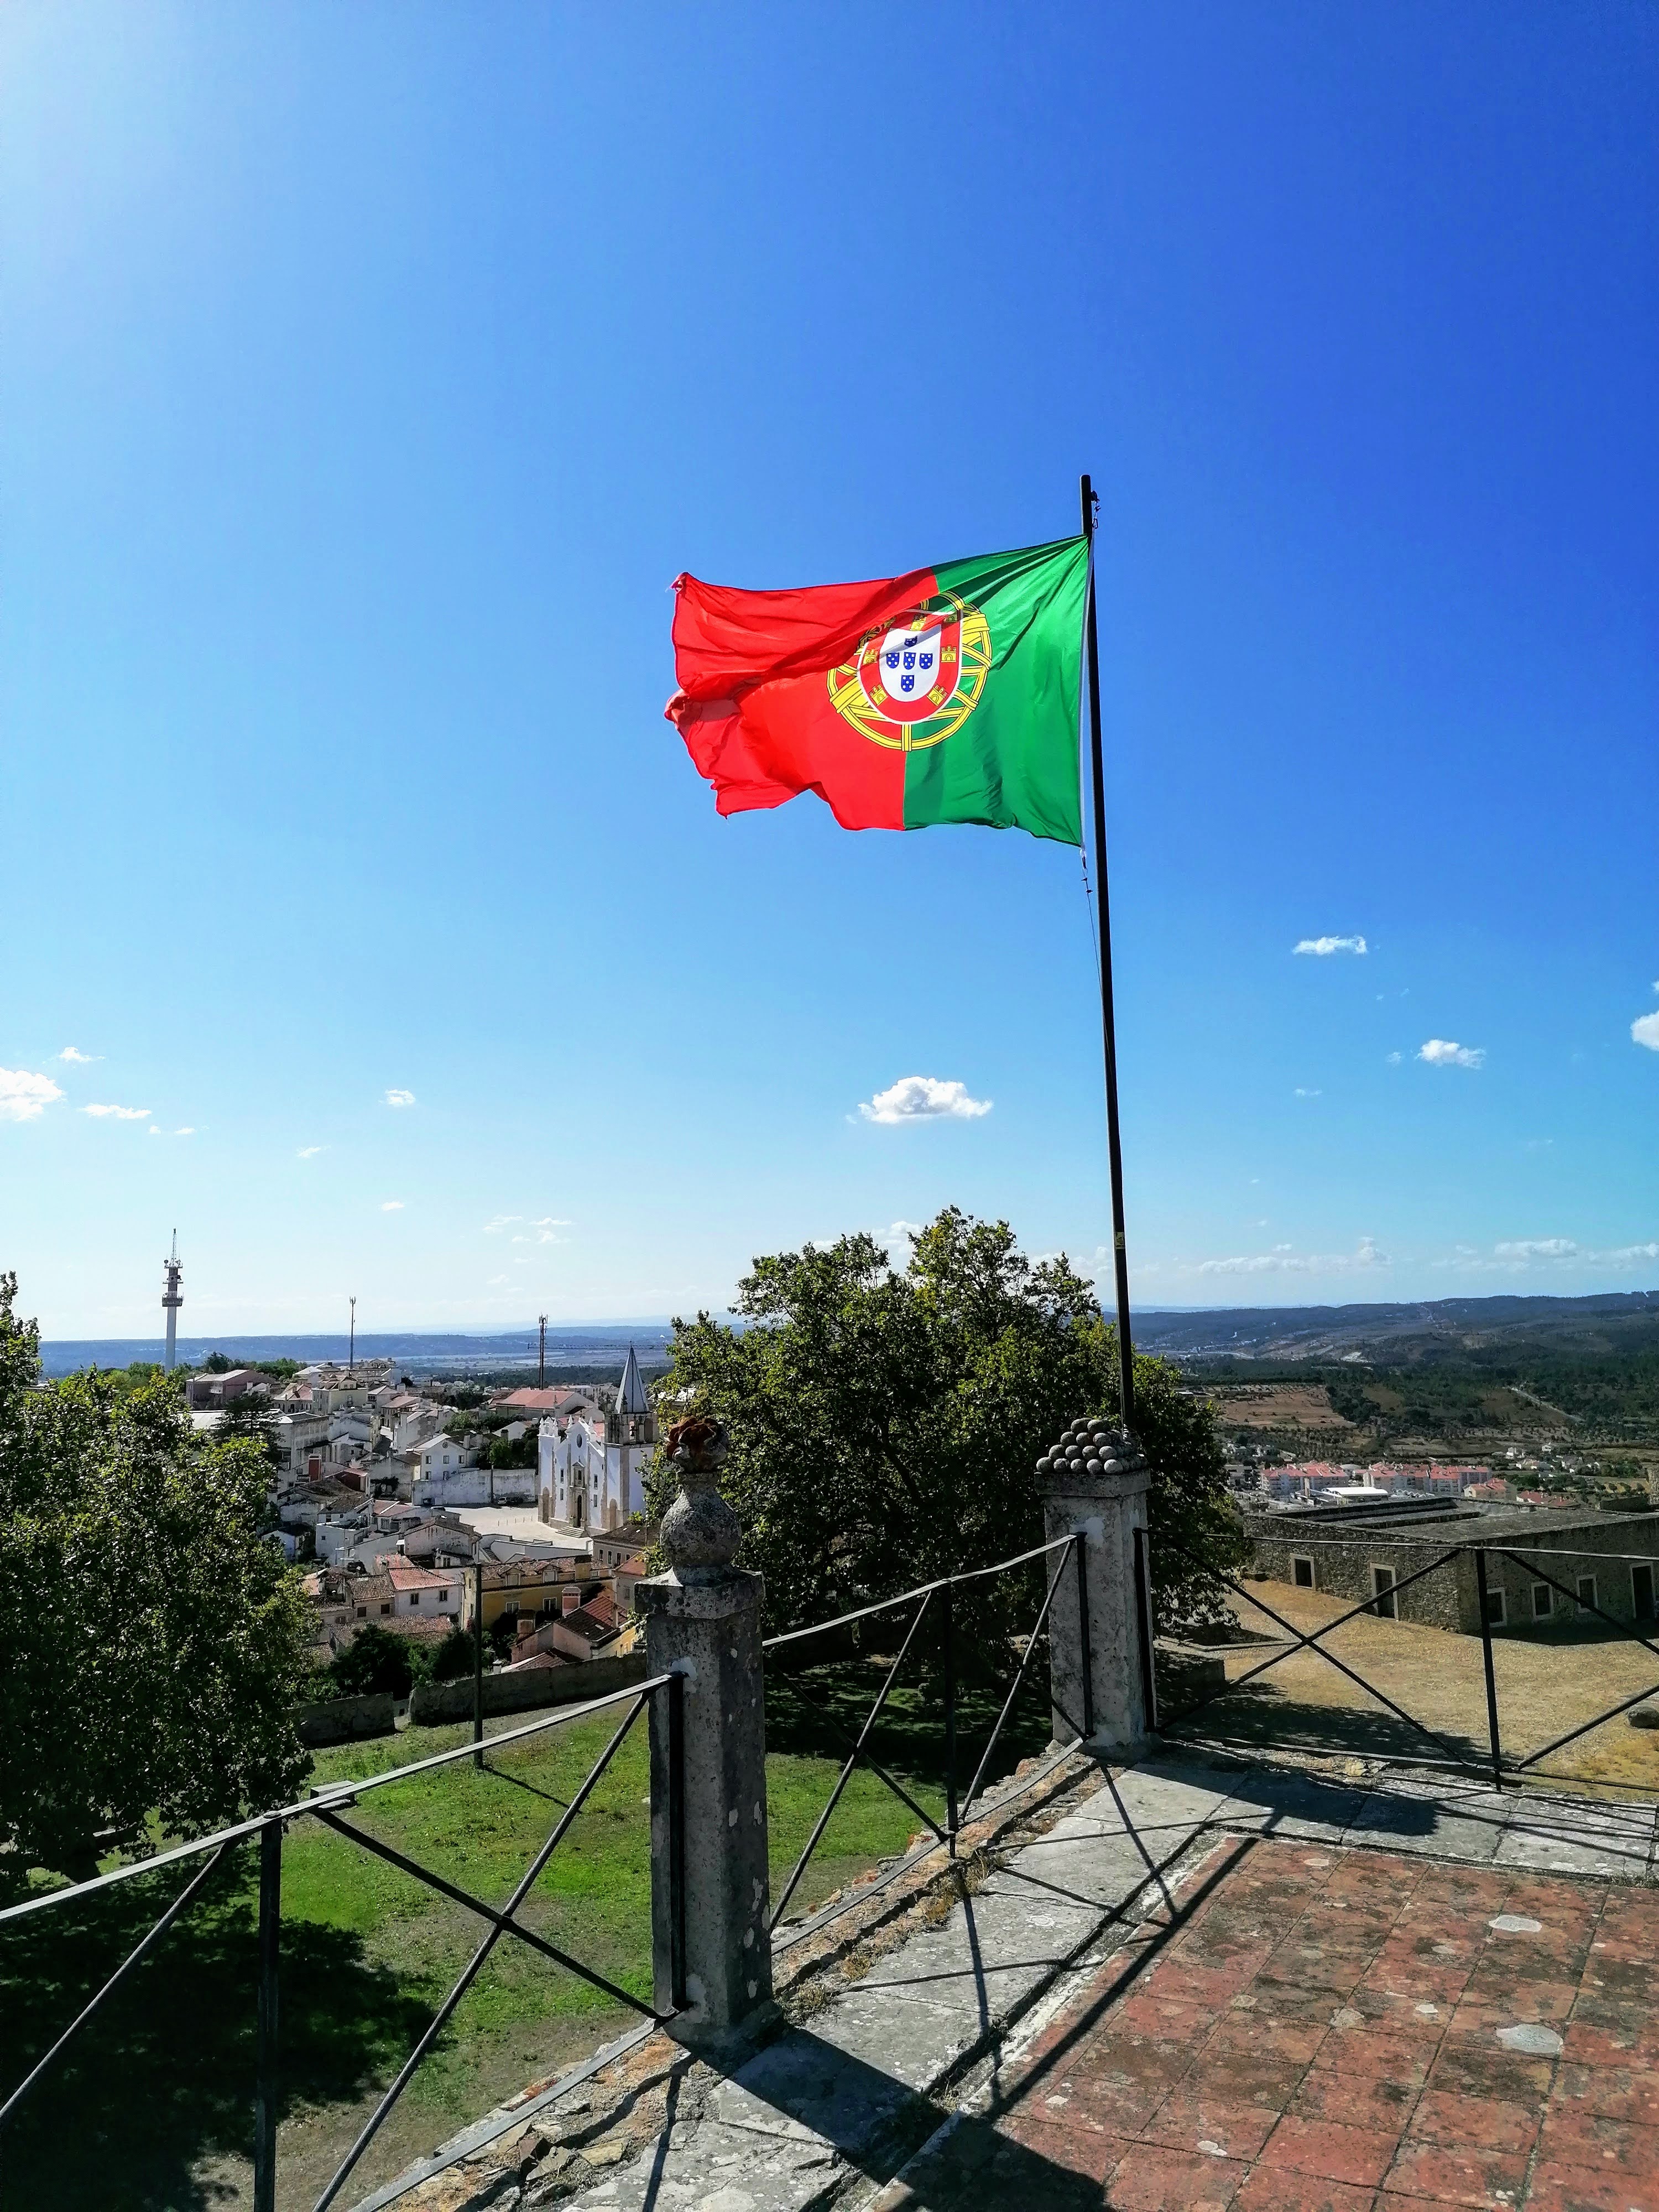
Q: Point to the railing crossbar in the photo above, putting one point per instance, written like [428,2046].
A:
[1019,1675]
[921,1590]
[845,1775]
[1629,1634]
[185,1898]
[1301,1643]
[1312,1644]
[503,1921]
[339,1793]
[475,1965]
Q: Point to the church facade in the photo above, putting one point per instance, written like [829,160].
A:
[588,1464]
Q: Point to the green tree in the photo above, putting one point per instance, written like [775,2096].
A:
[885,1424]
[251,1417]
[375,1661]
[153,1641]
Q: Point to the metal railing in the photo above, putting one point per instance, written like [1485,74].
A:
[924,1597]
[327,1805]
[1499,1764]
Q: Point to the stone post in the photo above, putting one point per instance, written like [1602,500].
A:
[702,1623]
[1095,1480]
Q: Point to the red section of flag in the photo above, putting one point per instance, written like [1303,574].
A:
[753,704]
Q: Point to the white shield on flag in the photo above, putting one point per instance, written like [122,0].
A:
[909,663]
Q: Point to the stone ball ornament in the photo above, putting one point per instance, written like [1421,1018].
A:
[700,1531]
[1088,1449]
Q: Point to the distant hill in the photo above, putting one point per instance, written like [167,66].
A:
[1618,1324]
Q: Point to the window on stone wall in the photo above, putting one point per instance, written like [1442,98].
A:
[1301,1573]
[1586,1593]
[1495,1608]
[1541,1595]
[1641,1593]
[1382,1596]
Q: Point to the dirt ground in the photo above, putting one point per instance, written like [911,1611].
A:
[1278,1406]
[1545,1684]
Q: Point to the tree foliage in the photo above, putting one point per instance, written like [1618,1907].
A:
[153,1640]
[376,1661]
[885,1422]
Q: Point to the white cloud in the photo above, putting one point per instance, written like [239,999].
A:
[23,1096]
[119,1113]
[1322,947]
[1536,1248]
[1282,1259]
[552,1221]
[306,1152]
[501,1221]
[187,1132]
[400,1098]
[1627,1255]
[79,1058]
[392,1205]
[154,1131]
[1443,1052]
[494,1280]
[1395,1058]
[923,1099]
[1309,1094]
[1644,1029]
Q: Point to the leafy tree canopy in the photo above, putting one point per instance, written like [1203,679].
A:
[153,1641]
[375,1661]
[886,1423]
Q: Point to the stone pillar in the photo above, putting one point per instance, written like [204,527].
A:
[1095,1480]
[703,1622]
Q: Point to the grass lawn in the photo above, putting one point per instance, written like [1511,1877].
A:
[152,2107]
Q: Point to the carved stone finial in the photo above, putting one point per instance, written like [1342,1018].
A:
[1089,1449]
[700,1531]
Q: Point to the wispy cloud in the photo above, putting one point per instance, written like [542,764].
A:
[1445,1051]
[79,1058]
[310,1151]
[501,1221]
[1322,947]
[1285,1260]
[1536,1248]
[392,1205]
[1395,1058]
[1309,1094]
[119,1113]
[552,1221]
[400,1098]
[923,1099]
[1644,1029]
[187,1132]
[23,1096]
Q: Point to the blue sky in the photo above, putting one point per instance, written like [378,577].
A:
[368,375]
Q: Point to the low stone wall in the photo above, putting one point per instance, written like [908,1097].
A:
[434,1703]
[345,1720]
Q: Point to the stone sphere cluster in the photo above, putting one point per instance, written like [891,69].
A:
[1087,1446]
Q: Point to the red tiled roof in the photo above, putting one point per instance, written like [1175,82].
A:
[404,1576]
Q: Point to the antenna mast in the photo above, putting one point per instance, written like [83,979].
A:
[541,1355]
[352,1356]
[173,1296]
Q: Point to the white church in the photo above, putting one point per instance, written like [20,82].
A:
[588,1463]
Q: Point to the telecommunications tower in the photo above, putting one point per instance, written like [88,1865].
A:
[173,1296]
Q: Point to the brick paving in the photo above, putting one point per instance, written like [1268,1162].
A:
[1325,2030]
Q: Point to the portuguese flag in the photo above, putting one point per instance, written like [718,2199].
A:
[948,695]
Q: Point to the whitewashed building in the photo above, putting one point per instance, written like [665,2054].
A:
[588,1465]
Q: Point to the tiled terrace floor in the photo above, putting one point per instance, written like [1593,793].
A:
[1326,2030]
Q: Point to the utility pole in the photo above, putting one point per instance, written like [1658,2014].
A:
[541,1356]
[352,1356]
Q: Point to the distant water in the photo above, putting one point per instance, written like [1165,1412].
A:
[602,1346]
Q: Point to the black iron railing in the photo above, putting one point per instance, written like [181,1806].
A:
[925,1599]
[327,1806]
[1499,1764]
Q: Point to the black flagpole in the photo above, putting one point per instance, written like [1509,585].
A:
[1113,1141]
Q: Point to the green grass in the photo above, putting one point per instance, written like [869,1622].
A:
[151,2106]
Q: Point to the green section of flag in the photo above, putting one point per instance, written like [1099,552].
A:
[1013,762]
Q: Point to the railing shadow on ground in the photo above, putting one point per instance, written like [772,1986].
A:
[162,2086]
